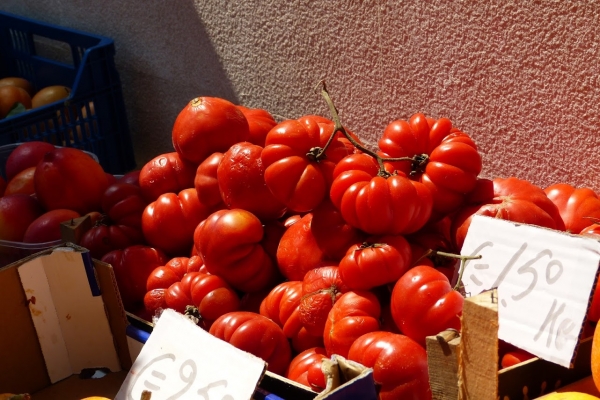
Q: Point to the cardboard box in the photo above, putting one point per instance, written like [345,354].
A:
[63,326]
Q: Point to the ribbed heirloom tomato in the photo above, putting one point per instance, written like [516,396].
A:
[229,242]
[578,207]
[257,335]
[305,368]
[448,161]
[354,314]
[399,365]
[293,173]
[423,303]
[379,202]
[166,173]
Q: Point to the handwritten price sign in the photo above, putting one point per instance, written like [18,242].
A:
[182,361]
[544,280]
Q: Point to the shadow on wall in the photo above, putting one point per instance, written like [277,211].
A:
[164,55]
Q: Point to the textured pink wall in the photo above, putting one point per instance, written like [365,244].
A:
[520,77]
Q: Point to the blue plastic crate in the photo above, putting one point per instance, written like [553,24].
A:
[93,117]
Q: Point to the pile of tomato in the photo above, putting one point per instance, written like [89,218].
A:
[294,241]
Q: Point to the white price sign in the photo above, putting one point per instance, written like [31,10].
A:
[182,361]
[544,280]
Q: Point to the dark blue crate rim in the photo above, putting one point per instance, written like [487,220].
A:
[93,79]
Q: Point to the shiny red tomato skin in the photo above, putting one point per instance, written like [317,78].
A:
[305,368]
[294,177]
[321,288]
[206,182]
[124,204]
[132,266]
[423,303]
[578,207]
[352,315]
[213,297]
[257,335]
[260,122]
[453,161]
[229,242]
[377,261]
[332,233]
[298,251]
[166,173]
[511,199]
[102,239]
[240,175]
[169,222]
[206,125]
[399,364]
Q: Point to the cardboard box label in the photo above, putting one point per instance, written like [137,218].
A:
[544,280]
[182,361]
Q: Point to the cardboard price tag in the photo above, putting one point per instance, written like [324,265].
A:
[182,361]
[544,280]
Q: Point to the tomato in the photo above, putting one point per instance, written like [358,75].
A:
[352,315]
[423,303]
[332,234]
[511,199]
[257,335]
[124,204]
[132,177]
[578,207]
[154,300]
[399,365]
[213,297]
[50,94]
[132,266]
[305,369]
[166,173]
[260,123]
[169,222]
[206,182]
[229,242]
[299,252]
[18,81]
[293,173]
[514,357]
[173,271]
[282,306]
[449,160]
[435,237]
[321,288]
[103,238]
[69,178]
[242,185]
[178,295]
[375,262]
[206,125]
[379,205]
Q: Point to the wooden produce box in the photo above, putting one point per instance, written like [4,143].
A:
[466,365]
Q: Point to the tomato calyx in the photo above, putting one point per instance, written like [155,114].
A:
[316,154]
[193,314]
[419,162]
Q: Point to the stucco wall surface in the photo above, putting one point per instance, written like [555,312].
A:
[521,77]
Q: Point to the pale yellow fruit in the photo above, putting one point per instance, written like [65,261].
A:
[569,396]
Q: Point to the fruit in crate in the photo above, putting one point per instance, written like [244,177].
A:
[17,211]
[10,96]
[69,178]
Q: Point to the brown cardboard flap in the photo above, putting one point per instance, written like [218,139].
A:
[114,307]
[22,367]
